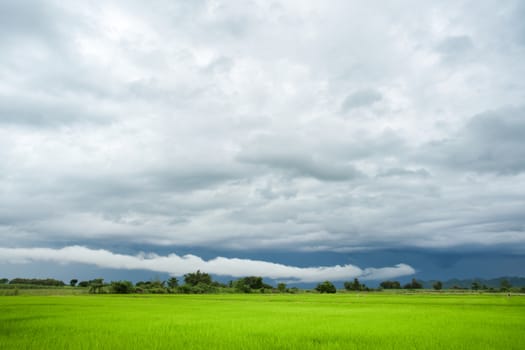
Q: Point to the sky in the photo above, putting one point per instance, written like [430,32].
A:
[295,140]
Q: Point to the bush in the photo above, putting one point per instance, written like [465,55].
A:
[326,287]
[251,284]
[200,288]
[96,286]
[355,285]
[195,278]
[173,282]
[121,287]
[38,282]
[158,291]
[390,285]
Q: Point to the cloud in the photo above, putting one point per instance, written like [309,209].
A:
[399,172]
[19,20]
[455,44]
[360,98]
[490,142]
[214,124]
[301,164]
[180,265]
[38,113]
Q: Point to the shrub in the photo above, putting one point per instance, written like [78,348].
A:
[121,287]
[326,287]
[390,285]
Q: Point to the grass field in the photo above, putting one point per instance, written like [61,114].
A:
[303,321]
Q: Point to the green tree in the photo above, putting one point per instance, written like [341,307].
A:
[390,285]
[475,286]
[121,287]
[3,280]
[38,281]
[241,286]
[438,285]
[199,288]
[195,278]
[281,287]
[73,282]
[83,284]
[413,285]
[96,285]
[355,285]
[326,287]
[155,286]
[247,284]
[173,282]
[505,285]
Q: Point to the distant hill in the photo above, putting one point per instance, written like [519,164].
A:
[467,283]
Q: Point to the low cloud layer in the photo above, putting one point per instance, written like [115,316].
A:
[179,265]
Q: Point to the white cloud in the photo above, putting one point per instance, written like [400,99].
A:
[290,125]
[179,265]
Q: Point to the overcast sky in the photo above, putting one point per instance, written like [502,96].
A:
[135,133]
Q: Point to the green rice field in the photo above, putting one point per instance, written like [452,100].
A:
[280,321]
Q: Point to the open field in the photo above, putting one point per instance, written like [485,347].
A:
[303,321]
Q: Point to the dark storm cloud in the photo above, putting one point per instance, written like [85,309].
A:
[493,141]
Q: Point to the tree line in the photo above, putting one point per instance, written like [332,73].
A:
[34,281]
[202,283]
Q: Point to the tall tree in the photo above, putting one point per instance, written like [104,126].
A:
[96,285]
[173,282]
[413,285]
[195,278]
[326,287]
[505,285]
[390,285]
[355,285]
[121,287]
